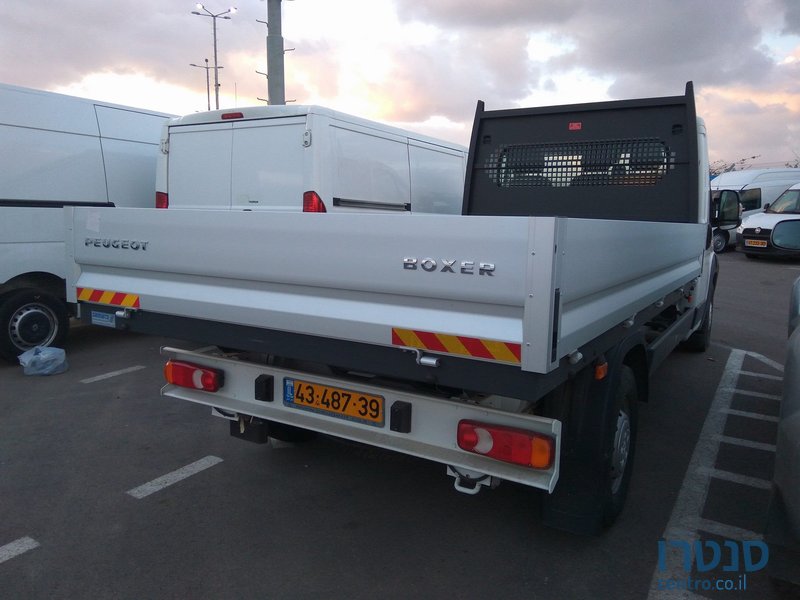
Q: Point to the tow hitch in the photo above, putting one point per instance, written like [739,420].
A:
[471,482]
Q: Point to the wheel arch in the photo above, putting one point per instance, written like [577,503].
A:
[632,352]
[37,280]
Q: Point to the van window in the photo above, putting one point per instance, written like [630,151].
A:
[788,203]
[750,198]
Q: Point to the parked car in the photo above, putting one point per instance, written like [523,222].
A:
[757,188]
[783,525]
[755,236]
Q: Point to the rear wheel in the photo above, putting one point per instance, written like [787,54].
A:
[30,318]
[621,446]
[599,429]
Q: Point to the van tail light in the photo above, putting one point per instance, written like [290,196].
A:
[507,444]
[313,203]
[195,377]
[162,200]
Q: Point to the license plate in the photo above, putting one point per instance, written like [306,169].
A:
[334,401]
[756,243]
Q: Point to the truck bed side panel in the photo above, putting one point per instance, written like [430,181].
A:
[532,282]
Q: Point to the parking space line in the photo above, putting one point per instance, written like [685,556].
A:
[751,415]
[17,547]
[758,395]
[686,517]
[761,375]
[727,531]
[174,477]
[755,482]
[767,361]
[745,443]
[686,523]
[113,374]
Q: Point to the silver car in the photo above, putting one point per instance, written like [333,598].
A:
[783,528]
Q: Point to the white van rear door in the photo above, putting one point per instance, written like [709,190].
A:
[267,167]
[199,166]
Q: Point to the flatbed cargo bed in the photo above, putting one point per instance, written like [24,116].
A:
[525,292]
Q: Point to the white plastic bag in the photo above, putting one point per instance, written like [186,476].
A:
[43,360]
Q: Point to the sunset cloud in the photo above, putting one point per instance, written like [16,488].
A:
[424,65]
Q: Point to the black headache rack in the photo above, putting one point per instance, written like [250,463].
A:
[633,160]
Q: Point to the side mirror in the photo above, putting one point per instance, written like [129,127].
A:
[786,235]
[766,206]
[726,210]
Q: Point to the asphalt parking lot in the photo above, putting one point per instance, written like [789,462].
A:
[108,490]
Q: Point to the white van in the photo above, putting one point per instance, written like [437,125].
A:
[755,233]
[59,151]
[757,188]
[305,158]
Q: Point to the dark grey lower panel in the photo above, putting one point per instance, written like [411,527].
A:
[452,372]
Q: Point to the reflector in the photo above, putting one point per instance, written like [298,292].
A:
[507,444]
[162,200]
[193,376]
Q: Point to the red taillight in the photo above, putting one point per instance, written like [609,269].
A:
[162,200]
[508,444]
[313,203]
[232,115]
[191,376]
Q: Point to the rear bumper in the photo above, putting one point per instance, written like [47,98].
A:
[431,429]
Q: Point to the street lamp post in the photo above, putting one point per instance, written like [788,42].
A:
[208,83]
[214,17]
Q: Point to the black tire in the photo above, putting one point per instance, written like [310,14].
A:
[720,241]
[30,318]
[621,446]
[700,340]
[599,439]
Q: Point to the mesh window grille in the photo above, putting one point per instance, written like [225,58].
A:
[641,162]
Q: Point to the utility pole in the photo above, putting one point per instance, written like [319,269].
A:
[276,89]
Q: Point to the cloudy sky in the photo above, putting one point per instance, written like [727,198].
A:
[423,65]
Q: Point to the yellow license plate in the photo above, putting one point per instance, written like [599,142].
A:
[338,402]
[756,243]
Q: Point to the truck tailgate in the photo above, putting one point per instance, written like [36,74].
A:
[520,290]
